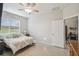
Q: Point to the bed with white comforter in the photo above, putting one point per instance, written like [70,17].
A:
[17,41]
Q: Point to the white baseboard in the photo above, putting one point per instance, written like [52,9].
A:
[47,43]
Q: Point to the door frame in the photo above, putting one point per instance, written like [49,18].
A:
[64,26]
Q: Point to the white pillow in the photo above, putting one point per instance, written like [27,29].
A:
[16,35]
[9,36]
[1,37]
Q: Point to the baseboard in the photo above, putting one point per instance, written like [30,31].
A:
[48,44]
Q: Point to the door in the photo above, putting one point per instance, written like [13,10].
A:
[1,7]
[58,33]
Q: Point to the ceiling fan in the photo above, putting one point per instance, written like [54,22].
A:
[29,7]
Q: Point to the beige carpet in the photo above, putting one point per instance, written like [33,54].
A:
[39,49]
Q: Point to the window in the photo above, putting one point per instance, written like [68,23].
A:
[10,25]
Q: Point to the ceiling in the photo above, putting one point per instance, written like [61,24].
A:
[42,7]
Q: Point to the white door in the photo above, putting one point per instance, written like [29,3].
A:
[58,33]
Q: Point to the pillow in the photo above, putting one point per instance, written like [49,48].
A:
[1,37]
[16,35]
[13,35]
[9,36]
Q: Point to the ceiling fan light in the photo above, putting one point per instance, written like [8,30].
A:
[28,10]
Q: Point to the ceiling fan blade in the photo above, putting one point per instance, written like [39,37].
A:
[33,4]
[28,4]
[36,10]
[20,9]
[21,4]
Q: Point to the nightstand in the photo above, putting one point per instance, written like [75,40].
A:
[1,46]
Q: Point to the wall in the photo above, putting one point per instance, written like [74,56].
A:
[23,21]
[40,25]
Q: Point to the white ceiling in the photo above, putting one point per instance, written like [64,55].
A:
[42,7]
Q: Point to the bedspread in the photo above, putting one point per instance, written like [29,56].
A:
[18,43]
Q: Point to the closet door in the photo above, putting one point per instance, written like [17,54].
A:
[54,33]
[58,33]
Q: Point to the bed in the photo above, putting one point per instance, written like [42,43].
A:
[17,41]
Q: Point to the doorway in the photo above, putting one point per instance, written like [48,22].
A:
[71,29]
